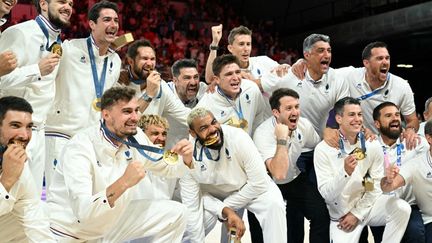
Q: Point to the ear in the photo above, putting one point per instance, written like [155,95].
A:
[175,80]
[338,119]
[92,25]
[216,79]
[276,113]
[130,61]
[365,62]
[306,54]
[230,48]
[377,124]
[105,114]
[43,5]
[192,133]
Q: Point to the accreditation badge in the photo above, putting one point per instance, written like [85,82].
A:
[96,104]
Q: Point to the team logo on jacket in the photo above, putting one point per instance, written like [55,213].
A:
[247,99]
[429,175]
[83,59]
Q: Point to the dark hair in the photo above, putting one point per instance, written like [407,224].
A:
[367,51]
[133,48]
[428,128]
[221,61]
[13,103]
[377,111]
[340,104]
[37,5]
[240,30]
[114,94]
[182,63]
[280,93]
[94,11]
[312,39]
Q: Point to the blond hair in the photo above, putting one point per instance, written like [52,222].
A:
[146,120]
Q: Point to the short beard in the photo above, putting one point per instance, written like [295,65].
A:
[391,134]
[56,21]
[215,146]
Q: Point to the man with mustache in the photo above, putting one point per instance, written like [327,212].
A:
[230,175]
[8,61]
[281,139]
[94,189]
[87,68]
[155,95]
[33,43]
[237,101]
[417,173]
[348,180]
[187,87]
[389,124]
[22,218]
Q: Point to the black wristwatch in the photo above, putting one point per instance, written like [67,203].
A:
[214,48]
[281,142]
[146,98]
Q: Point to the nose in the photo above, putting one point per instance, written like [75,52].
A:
[24,134]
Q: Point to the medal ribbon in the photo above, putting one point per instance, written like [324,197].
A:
[360,136]
[399,148]
[239,112]
[206,151]
[367,96]
[98,83]
[42,26]
[132,142]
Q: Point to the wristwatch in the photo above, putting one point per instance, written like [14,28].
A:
[146,98]
[213,48]
[281,142]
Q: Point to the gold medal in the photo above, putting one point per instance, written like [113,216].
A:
[243,124]
[368,184]
[232,236]
[233,122]
[170,158]
[96,104]
[211,140]
[359,154]
[57,49]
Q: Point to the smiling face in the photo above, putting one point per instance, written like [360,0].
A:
[378,64]
[105,29]
[319,58]
[16,127]
[208,131]
[389,122]
[241,48]
[229,80]
[187,83]
[156,134]
[288,112]
[122,118]
[144,61]
[58,12]
[351,120]
[6,6]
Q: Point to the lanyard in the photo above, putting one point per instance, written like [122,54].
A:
[42,26]
[367,96]
[132,142]
[239,112]
[135,81]
[399,148]
[360,136]
[206,151]
[98,83]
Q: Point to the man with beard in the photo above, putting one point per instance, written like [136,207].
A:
[237,101]
[21,214]
[94,185]
[36,44]
[416,172]
[388,121]
[281,140]
[348,179]
[8,60]
[87,68]
[230,175]
[187,87]
[155,94]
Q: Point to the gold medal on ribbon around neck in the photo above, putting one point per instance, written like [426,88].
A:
[170,158]
[57,49]
[243,124]
[359,154]
[96,104]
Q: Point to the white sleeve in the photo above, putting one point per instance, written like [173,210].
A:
[330,182]
[7,201]
[90,208]
[192,198]
[174,107]
[257,178]
[407,106]
[15,41]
